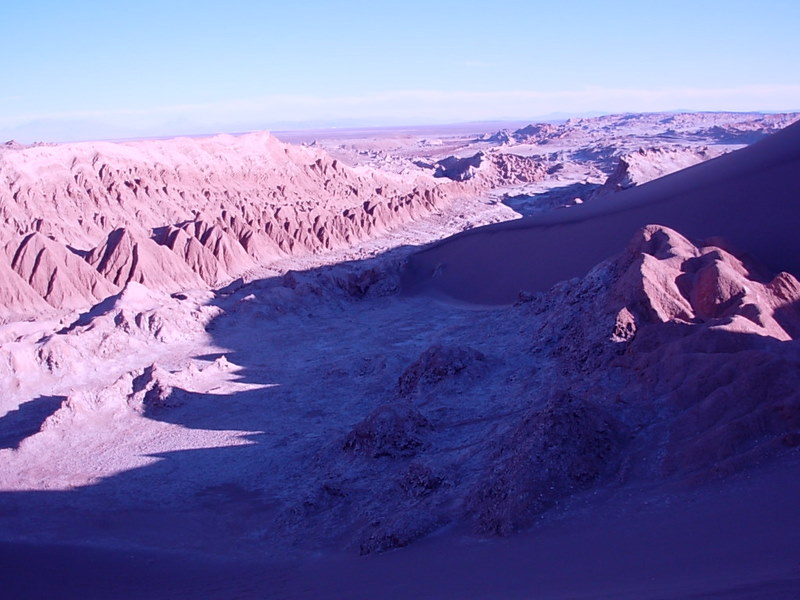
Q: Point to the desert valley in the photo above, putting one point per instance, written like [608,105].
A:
[536,360]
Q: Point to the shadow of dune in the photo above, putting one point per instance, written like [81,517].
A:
[87,573]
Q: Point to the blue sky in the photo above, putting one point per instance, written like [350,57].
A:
[90,69]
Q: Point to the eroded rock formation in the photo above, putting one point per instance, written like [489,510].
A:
[183,213]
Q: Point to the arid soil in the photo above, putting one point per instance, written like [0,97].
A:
[239,367]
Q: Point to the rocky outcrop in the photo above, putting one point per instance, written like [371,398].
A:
[123,257]
[19,299]
[536,133]
[639,167]
[398,532]
[665,278]
[711,128]
[135,317]
[77,193]
[459,168]
[718,339]
[391,430]
[137,391]
[502,137]
[492,169]
[439,363]
[707,344]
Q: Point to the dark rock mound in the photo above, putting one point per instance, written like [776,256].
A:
[564,448]
[393,430]
[399,531]
[438,363]
[420,481]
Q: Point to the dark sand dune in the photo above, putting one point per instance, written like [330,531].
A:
[750,199]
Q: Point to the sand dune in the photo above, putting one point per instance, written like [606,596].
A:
[749,198]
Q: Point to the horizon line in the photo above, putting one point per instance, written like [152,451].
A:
[345,125]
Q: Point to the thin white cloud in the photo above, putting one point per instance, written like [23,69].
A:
[589,98]
[477,64]
[419,106]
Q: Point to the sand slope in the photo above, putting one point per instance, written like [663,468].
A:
[749,198]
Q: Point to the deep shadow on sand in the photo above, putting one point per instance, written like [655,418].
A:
[734,541]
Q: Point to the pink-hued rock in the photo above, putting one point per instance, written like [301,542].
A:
[124,257]
[246,201]
[665,278]
[17,298]
[93,187]
[61,277]
[709,335]
[200,259]
[222,243]
[715,127]
[495,169]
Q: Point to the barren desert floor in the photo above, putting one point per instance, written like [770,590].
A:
[405,364]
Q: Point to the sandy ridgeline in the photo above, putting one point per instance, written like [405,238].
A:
[246,378]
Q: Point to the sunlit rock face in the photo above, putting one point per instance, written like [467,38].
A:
[184,213]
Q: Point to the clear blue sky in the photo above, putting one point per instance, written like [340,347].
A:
[82,69]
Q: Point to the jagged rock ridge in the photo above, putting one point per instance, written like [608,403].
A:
[184,213]
[492,169]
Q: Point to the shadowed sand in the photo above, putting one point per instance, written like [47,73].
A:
[735,541]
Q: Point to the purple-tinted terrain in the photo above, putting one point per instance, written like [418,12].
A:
[554,361]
